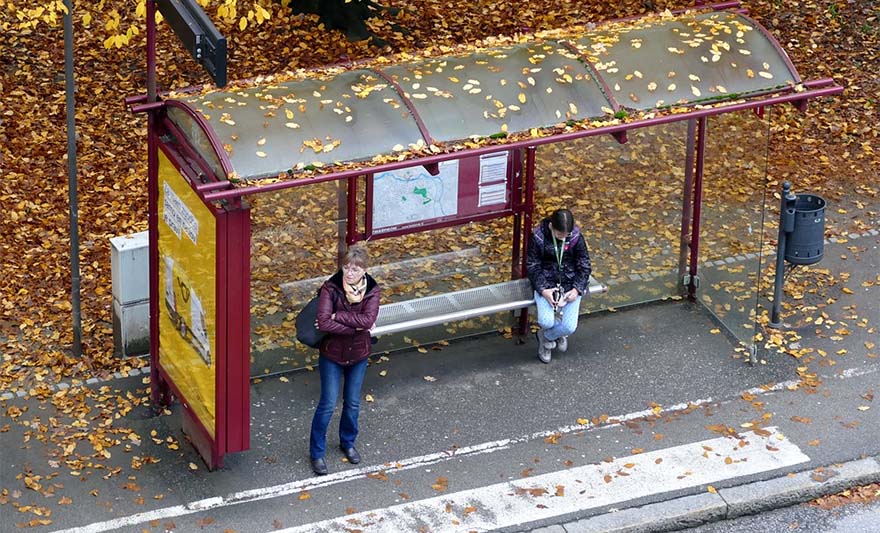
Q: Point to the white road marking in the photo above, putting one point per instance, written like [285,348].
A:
[314,483]
[587,487]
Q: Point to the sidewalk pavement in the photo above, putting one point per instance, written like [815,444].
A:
[481,411]
[749,498]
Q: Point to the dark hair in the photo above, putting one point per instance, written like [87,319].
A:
[562,220]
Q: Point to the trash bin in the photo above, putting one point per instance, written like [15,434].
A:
[805,244]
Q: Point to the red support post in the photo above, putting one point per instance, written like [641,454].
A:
[159,390]
[687,199]
[528,211]
[698,203]
[238,320]
[516,191]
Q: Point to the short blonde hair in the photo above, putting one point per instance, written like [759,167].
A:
[356,255]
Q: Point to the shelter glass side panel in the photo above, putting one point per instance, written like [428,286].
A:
[187,281]
[297,236]
[627,199]
[734,196]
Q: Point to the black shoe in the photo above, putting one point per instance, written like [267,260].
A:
[319,466]
[351,454]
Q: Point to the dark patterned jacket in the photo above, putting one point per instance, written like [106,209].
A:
[543,269]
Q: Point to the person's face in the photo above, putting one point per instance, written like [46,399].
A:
[561,235]
[352,273]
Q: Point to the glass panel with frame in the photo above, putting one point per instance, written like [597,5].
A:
[732,222]
[627,198]
[296,237]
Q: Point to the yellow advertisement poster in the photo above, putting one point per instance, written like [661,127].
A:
[187,292]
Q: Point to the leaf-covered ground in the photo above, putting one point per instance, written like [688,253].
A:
[831,148]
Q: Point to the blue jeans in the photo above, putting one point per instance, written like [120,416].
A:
[552,326]
[332,376]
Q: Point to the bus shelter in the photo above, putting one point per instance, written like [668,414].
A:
[445,163]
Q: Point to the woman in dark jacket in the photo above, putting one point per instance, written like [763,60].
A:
[347,310]
[558,265]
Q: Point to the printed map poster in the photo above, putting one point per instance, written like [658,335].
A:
[187,281]
[411,196]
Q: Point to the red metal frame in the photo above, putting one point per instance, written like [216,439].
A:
[232,362]
[698,204]
[687,198]
[528,211]
[516,271]
[238,326]
[209,132]
[351,232]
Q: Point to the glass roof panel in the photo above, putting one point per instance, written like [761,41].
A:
[270,129]
[338,116]
[686,60]
[197,138]
[518,87]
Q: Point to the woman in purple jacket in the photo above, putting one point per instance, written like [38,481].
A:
[347,310]
[558,265]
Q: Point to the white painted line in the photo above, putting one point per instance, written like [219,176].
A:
[568,491]
[299,486]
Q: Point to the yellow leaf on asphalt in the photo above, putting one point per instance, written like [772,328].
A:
[369,398]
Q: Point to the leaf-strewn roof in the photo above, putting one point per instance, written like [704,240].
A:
[344,116]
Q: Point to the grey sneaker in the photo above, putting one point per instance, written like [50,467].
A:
[562,344]
[544,353]
[543,340]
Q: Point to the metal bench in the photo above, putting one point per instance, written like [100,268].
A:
[460,305]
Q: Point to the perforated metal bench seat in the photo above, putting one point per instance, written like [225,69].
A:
[460,305]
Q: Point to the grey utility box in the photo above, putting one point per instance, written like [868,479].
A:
[130,271]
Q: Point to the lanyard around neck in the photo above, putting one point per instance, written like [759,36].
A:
[559,250]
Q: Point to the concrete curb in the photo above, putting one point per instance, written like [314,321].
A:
[750,498]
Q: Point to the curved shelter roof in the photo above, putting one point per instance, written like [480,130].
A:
[379,113]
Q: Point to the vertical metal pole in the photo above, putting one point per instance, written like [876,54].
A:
[687,198]
[698,204]
[70,104]
[528,210]
[343,216]
[787,198]
[158,390]
[516,192]
[351,217]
